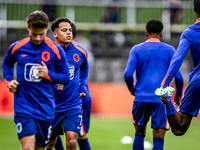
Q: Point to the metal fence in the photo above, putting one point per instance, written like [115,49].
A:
[111,26]
[92,11]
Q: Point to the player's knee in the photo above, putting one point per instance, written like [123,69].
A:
[27,143]
[71,144]
[178,132]
[28,146]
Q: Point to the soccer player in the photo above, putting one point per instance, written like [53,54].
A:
[68,98]
[151,60]
[86,104]
[40,64]
[180,121]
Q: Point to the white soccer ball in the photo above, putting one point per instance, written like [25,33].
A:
[126,140]
[147,145]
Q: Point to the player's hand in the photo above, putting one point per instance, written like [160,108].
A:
[165,101]
[176,105]
[60,86]
[82,94]
[12,86]
[42,70]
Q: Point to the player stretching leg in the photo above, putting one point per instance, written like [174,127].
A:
[180,121]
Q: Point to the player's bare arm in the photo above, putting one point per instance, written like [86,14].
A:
[12,86]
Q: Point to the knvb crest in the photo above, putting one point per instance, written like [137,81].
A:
[31,72]
[76,57]
[45,56]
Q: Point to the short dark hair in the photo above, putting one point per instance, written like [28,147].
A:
[74,30]
[56,22]
[38,19]
[154,26]
[197,5]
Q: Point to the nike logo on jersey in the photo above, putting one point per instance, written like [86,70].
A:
[24,55]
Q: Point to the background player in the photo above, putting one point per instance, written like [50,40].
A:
[40,64]
[86,104]
[68,101]
[180,121]
[151,60]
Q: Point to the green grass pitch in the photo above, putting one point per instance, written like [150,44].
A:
[106,133]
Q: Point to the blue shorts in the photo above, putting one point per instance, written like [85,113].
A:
[86,117]
[27,125]
[191,101]
[141,113]
[70,120]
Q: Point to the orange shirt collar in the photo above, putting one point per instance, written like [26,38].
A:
[152,40]
[198,20]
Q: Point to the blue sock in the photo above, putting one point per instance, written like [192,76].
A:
[59,145]
[84,144]
[158,144]
[138,143]
[170,108]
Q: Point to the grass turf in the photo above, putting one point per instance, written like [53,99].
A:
[106,133]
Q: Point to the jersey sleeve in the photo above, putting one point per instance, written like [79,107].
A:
[129,70]
[62,70]
[8,65]
[179,86]
[84,69]
[177,59]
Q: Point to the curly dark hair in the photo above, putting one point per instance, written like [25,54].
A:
[197,6]
[56,22]
[154,26]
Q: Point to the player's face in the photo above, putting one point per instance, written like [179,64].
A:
[37,35]
[63,33]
